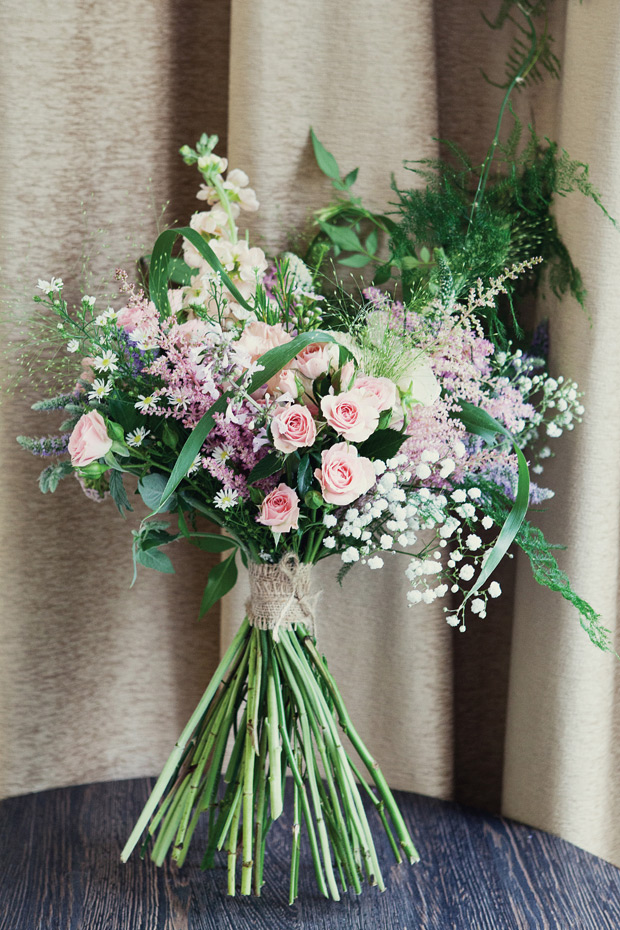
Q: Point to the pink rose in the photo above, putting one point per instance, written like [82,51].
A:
[258,338]
[283,383]
[381,392]
[280,509]
[346,375]
[315,359]
[193,333]
[345,475]
[89,440]
[130,318]
[292,428]
[351,414]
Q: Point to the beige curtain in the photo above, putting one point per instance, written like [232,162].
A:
[515,715]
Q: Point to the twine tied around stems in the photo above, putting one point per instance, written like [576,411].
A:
[280,595]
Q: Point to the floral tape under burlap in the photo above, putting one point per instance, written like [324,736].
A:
[280,595]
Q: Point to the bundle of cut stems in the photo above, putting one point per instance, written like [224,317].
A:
[276,703]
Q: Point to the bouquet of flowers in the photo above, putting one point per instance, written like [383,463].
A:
[308,422]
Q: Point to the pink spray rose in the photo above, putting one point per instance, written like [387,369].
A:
[315,359]
[345,475]
[292,428]
[351,414]
[283,383]
[258,338]
[89,440]
[280,509]
[381,392]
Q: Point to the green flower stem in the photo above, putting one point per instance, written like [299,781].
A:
[379,807]
[249,755]
[357,817]
[295,845]
[324,739]
[171,765]
[217,739]
[232,845]
[227,814]
[311,776]
[318,868]
[275,750]
[225,201]
[346,724]
[169,826]
[259,818]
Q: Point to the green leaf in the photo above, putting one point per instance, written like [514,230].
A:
[160,267]
[355,261]
[221,580]
[478,421]
[382,274]
[151,489]
[168,436]
[304,475]
[351,178]
[383,444]
[425,255]
[407,262]
[117,490]
[343,236]
[266,467]
[384,418]
[154,538]
[156,559]
[180,272]
[212,542]
[124,412]
[372,242]
[324,159]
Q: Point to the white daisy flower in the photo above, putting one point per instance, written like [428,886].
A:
[106,362]
[226,498]
[195,465]
[100,389]
[222,454]
[137,436]
[49,286]
[73,345]
[145,403]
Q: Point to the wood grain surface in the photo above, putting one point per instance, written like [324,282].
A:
[60,870]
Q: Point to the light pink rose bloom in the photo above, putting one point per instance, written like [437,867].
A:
[292,428]
[89,440]
[130,318]
[345,475]
[193,333]
[283,383]
[381,392]
[315,360]
[257,338]
[280,510]
[346,375]
[351,414]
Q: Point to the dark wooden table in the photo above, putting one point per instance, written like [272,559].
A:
[60,870]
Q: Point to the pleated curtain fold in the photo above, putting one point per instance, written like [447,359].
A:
[519,714]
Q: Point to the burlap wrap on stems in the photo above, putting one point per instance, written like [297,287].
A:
[280,595]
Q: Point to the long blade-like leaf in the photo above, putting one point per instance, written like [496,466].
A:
[478,421]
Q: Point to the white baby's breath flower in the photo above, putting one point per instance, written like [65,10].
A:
[375,562]
[386,542]
[473,542]
[226,498]
[487,522]
[137,436]
[329,542]
[466,572]
[329,520]
[350,555]
[495,589]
